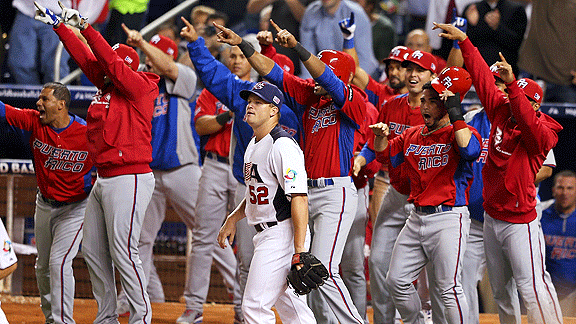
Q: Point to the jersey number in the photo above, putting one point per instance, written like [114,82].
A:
[258,196]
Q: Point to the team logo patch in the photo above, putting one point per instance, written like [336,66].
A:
[258,86]
[290,175]
[7,246]
[276,100]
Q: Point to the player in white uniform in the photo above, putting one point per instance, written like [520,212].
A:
[8,261]
[276,204]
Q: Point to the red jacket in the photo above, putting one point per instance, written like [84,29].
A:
[120,115]
[520,139]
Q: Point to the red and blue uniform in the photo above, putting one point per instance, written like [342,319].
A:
[61,161]
[439,171]
[208,105]
[379,93]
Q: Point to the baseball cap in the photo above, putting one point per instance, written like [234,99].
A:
[453,78]
[531,89]
[284,62]
[422,59]
[266,91]
[165,44]
[495,72]
[128,55]
[398,53]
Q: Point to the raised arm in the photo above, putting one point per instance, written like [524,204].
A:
[165,66]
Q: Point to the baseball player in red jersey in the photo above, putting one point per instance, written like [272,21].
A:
[520,138]
[63,171]
[438,163]
[119,140]
[276,204]
[331,111]
[400,113]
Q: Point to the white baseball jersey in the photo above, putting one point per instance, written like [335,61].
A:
[7,255]
[273,170]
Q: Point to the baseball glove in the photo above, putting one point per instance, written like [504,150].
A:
[310,276]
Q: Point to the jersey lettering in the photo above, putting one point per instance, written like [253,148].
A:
[498,140]
[398,129]
[484,152]
[324,117]
[161,105]
[251,172]
[258,195]
[433,149]
[61,159]
[427,162]
[99,99]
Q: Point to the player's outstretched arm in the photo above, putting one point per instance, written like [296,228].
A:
[381,132]
[262,64]
[165,66]
[299,211]
[311,62]
[228,230]
[348,27]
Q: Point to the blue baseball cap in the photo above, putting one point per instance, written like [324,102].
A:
[267,92]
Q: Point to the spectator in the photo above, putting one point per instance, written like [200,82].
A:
[384,36]
[497,26]
[286,13]
[208,32]
[132,13]
[418,40]
[559,227]
[33,45]
[319,31]
[549,51]
[236,11]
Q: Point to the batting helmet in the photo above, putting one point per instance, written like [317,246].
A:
[398,53]
[342,64]
[454,79]
[128,55]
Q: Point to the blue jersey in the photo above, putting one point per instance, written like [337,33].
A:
[560,234]
[478,120]
[226,87]
[173,143]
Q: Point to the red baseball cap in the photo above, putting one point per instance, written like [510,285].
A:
[398,53]
[128,55]
[453,78]
[422,59]
[165,44]
[495,72]
[531,89]
[285,63]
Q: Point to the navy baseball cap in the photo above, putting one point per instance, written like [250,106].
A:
[267,92]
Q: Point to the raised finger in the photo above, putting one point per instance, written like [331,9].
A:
[502,57]
[37,5]
[186,22]
[275,26]
[220,27]
[61,5]
[125,28]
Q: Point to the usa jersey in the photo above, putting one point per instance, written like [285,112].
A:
[226,86]
[560,234]
[478,120]
[62,164]
[273,171]
[172,140]
[440,172]
[208,105]
[328,124]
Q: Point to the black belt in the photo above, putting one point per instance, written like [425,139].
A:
[432,209]
[217,157]
[262,226]
[320,183]
[55,203]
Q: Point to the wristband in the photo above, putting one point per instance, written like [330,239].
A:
[223,118]
[303,53]
[456,45]
[246,48]
[348,43]
[458,125]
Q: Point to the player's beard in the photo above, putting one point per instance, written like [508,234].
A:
[398,85]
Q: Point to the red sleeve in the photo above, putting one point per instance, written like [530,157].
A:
[268,51]
[300,90]
[537,137]
[205,105]
[81,55]
[490,96]
[131,83]
[24,119]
